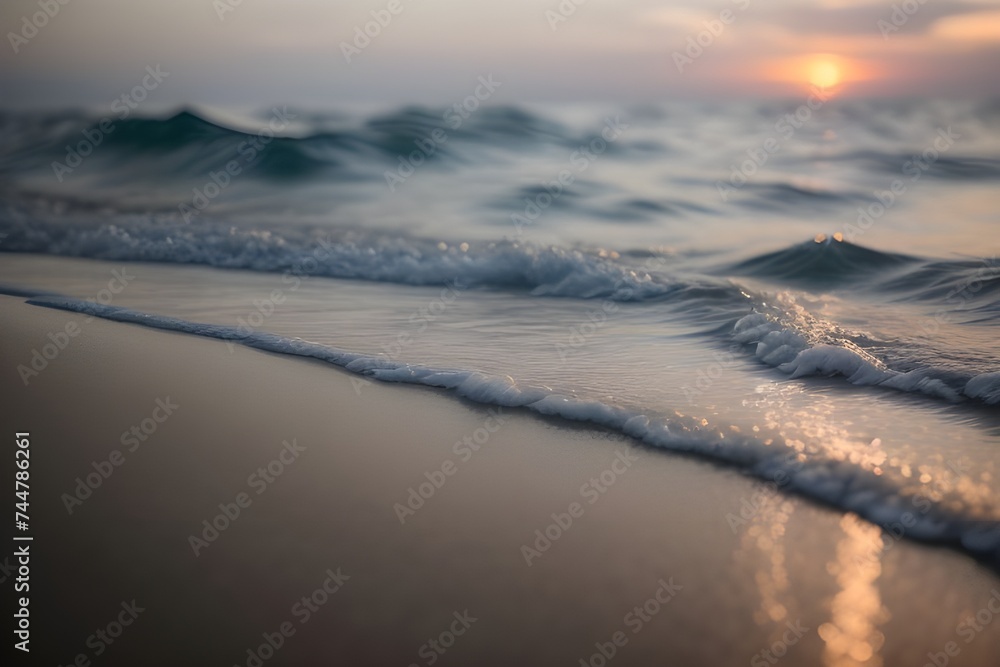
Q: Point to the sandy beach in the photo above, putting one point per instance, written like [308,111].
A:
[229,506]
[446,334]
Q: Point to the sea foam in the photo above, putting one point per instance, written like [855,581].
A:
[842,484]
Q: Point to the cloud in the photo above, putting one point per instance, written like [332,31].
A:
[863,19]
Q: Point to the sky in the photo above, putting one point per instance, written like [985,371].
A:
[86,53]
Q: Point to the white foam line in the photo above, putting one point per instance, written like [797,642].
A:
[842,485]
[789,352]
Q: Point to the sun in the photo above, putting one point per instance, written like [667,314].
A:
[824,72]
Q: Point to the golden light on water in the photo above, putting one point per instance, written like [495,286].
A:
[852,637]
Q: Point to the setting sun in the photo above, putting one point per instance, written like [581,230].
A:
[824,72]
[818,70]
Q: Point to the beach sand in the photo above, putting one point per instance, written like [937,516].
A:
[808,584]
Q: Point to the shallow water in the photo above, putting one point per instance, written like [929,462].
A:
[812,299]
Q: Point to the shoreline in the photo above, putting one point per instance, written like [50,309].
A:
[322,525]
[751,454]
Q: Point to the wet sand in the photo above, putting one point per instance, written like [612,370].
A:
[327,554]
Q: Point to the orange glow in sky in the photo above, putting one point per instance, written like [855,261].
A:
[821,70]
[603,51]
[824,72]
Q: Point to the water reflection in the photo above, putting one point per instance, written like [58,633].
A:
[765,538]
[852,637]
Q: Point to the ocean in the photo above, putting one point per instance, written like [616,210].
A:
[807,292]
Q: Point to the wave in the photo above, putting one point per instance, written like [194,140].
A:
[845,485]
[774,328]
[790,196]
[830,262]
[974,283]
[182,145]
[789,351]
[823,262]
[286,145]
[328,146]
[788,337]
[913,164]
[354,254]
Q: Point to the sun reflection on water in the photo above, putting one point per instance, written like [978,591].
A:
[852,637]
